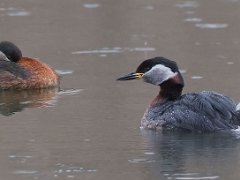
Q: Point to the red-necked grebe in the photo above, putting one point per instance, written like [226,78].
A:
[206,111]
[17,72]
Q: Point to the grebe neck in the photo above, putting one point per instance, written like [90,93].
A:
[170,90]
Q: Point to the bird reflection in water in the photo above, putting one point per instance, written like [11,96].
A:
[16,101]
[183,155]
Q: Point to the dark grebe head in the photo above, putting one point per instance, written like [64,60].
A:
[161,72]
[11,51]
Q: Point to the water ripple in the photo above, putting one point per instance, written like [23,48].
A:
[63,72]
[196,77]
[98,51]
[70,91]
[149,7]
[25,172]
[193,20]
[182,71]
[19,13]
[12,11]
[211,26]
[198,178]
[189,176]
[187,4]
[115,50]
[91,6]
[140,160]
[15,156]
[70,170]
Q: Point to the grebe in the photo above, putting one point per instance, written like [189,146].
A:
[206,111]
[17,72]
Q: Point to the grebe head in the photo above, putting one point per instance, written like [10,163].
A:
[156,71]
[11,51]
[161,72]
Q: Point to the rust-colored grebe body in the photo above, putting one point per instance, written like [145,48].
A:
[17,72]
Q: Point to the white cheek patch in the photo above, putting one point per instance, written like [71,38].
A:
[158,74]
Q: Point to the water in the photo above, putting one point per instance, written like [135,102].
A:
[193,156]
[115,50]
[91,5]
[89,128]
[11,11]
[211,26]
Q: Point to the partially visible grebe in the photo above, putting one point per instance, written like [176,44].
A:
[205,111]
[17,72]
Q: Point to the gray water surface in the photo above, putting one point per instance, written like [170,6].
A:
[89,128]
